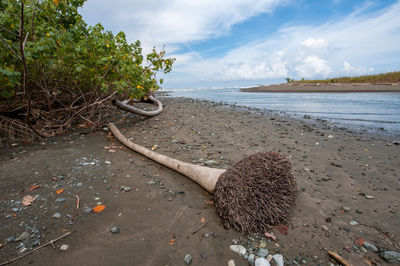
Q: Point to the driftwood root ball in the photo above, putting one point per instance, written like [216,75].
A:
[256,193]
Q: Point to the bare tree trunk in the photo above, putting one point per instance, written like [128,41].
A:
[125,106]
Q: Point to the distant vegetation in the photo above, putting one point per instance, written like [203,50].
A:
[390,77]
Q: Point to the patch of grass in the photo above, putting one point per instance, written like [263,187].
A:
[390,77]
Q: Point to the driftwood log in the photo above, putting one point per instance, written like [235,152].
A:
[256,193]
[124,105]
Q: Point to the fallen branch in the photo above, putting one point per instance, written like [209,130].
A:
[199,227]
[125,106]
[33,250]
[339,259]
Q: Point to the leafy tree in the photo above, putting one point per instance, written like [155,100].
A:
[54,68]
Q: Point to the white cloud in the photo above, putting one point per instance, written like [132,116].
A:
[160,22]
[315,43]
[313,66]
[349,69]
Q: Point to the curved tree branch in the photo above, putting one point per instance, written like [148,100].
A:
[125,106]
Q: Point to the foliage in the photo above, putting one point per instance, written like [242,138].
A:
[389,77]
[51,60]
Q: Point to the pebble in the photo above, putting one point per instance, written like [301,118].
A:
[370,246]
[238,249]
[10,239]
[9,216]
[188,259]
[390,256]
[261,262]
[396,142]
[354,223]
[210,163]
[57,215]
[231,263]
[278,258]
[61,200]
[251,259]
[125,188]
[79,184]
[115,230]
[346,209]
[325,228]
[269,258]
[262,244]
[15,209]
[262,252]
[23,236]
[151,182]
[64,247]
[35,243]
[87,210]
[21,246]
[107,162]
[369,197]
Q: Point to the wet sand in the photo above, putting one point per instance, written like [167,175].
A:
[342,177]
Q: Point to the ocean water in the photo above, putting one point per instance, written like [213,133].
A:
[372,112]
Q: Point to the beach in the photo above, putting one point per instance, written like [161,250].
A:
[329,87]
[348,186]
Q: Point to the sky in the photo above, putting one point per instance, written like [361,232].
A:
[238,43]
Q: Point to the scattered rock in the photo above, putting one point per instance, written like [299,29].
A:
[390,256]
[396,142]
[107,162]
[79,184]
[368,196]
[64,247]
[125,188]
[61,200]
[262,252]
[23,236]
[57,215]
[238,249]
[370,246]
[231,263]
[188,259]
[346,209]
[251,259]
[325,228]
[115,230]
[278,258]
[210,163]
[354,223]
[21,246]
[10,239]
[261,262]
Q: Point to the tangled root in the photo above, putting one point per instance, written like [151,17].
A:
[256,193]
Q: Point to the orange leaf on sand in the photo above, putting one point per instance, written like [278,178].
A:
[270,236]
[1,245]
[60,191]
[203,220]
[99,208]
[172,241]
[34,187]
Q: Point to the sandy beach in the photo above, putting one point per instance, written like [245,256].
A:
[320,87]
[348,191]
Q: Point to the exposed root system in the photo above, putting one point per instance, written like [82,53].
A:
[256,193]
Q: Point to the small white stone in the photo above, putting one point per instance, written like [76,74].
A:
[262,262]
[231,263]
[278,258]
[64,247]
[354,223]
[269,258]
[238,249]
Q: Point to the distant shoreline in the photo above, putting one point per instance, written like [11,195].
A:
[329,88]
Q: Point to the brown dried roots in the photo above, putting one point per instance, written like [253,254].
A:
[256,193]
